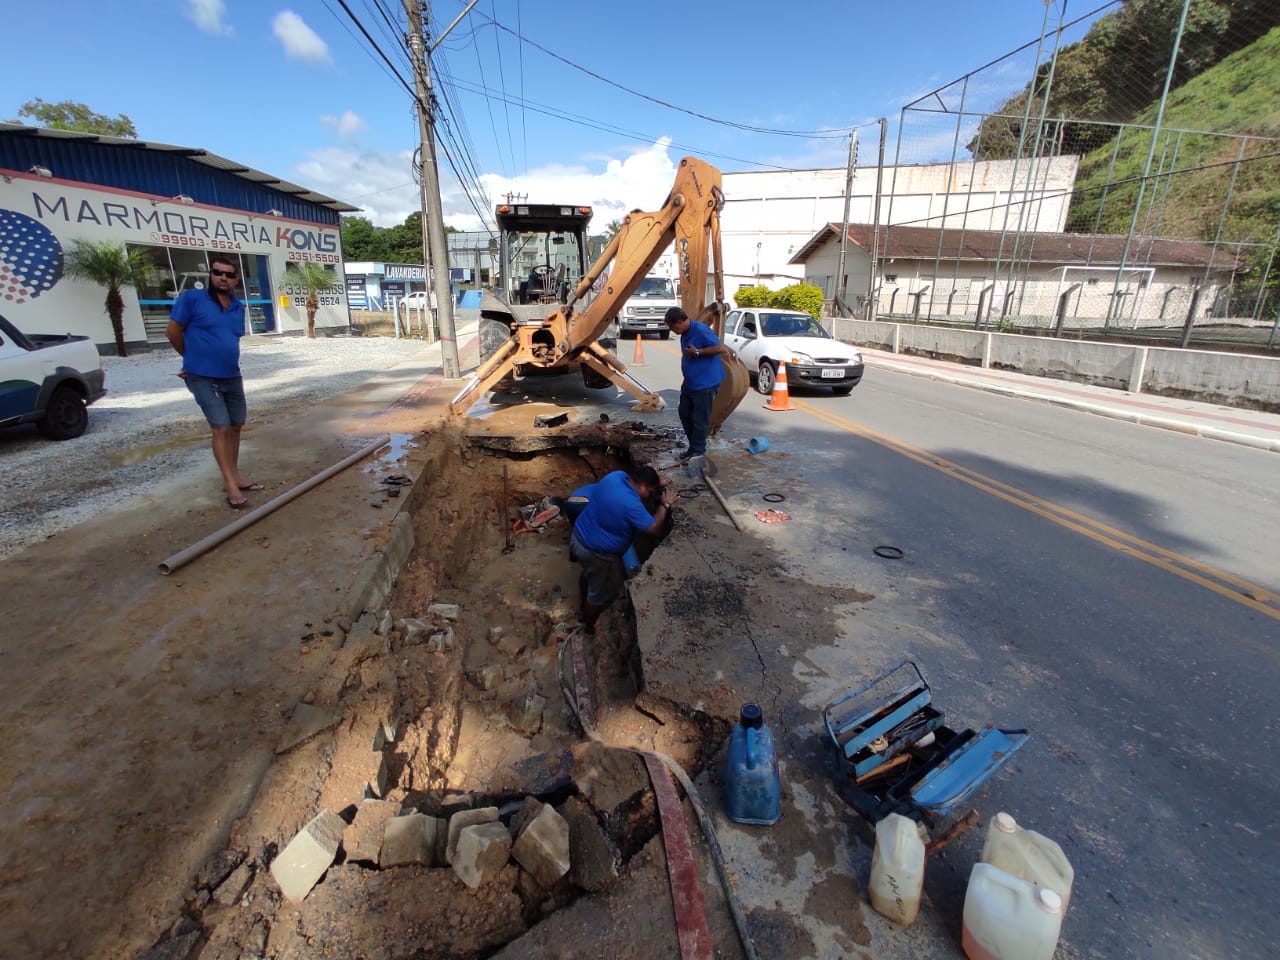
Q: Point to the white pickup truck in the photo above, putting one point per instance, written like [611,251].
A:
[48,380]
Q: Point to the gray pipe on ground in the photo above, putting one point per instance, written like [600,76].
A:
[183,557]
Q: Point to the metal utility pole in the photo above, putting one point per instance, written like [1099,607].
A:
[844,233]
[875,225]
[435,246]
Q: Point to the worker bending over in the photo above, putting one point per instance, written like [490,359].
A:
[614,516]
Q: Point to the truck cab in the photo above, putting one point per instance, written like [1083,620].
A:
[646,308]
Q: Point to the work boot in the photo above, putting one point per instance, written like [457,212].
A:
[685,454]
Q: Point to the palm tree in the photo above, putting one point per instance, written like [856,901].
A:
[110,265]
[315,280]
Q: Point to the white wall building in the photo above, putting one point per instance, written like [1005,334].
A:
[769,216]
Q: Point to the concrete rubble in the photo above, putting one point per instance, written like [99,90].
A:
[410,838]
[542,847]
[301,864]
[480,853]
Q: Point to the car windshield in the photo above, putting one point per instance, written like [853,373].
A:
[792,325]
[656,287]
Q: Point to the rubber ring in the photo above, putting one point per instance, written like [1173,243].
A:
[773,498]
[690,492]
[889,553]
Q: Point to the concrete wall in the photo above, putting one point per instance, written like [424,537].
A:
[1235,379]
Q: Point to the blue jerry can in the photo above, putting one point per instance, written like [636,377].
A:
[752,788]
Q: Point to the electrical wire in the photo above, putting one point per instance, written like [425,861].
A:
[374,43]
[806,134]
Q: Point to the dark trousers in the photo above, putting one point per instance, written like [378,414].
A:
[695,416]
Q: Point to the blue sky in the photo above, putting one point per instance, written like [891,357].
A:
[595,105]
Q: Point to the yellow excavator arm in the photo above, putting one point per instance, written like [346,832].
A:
[690,219]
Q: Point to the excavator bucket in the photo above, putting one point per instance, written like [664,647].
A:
[736,383]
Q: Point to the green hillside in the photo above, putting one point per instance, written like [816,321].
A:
[1239,95]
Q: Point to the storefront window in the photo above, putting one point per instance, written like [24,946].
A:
[178,269]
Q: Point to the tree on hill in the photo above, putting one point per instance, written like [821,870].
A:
[1119,68]
[69,115]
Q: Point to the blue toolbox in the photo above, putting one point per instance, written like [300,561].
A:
[897,756]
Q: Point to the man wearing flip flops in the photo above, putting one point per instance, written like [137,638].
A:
[205,327]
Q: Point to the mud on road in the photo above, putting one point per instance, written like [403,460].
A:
[178,734]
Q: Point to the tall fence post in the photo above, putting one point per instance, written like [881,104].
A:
[1191,315]
[1062,308]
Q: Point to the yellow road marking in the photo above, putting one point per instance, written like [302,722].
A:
[1243,592]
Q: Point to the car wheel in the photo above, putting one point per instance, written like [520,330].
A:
[67,417]
[765,378]
[665,334]
[841,391]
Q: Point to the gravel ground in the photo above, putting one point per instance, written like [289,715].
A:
[148,427]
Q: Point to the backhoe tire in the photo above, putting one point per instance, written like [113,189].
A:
[66,417]
[766,376]
[593,380]
[493,334]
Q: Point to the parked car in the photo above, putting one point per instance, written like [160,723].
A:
[765,338]
[48,380]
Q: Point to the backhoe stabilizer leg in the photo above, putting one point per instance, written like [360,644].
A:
[490,372]
[646,401]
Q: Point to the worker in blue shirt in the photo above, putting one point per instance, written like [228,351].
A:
[703,371]
[205,327]
[615,514]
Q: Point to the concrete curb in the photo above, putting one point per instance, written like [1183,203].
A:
[372,583]
[1086,406]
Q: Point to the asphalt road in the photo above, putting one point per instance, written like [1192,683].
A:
[1110,587]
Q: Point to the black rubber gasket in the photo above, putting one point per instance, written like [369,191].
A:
[886,552]
[689,493]
[773,498]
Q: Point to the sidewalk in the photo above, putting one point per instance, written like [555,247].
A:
[1250,428]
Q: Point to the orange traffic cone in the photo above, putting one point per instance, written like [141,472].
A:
[780,398]
[638,359]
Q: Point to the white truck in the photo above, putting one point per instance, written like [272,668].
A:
[48,380]
[644,310]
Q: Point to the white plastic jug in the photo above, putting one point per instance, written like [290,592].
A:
[1029,855]
[1008,918]
[897,869]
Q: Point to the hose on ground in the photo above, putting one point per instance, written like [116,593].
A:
[704,821]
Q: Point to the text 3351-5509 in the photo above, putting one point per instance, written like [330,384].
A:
[314,257]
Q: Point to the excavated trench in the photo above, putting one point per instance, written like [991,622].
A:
[457,701]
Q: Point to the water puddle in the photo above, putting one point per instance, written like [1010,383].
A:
[391,454]
[136,455]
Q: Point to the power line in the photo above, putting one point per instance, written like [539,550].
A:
[807,134]
[374,43]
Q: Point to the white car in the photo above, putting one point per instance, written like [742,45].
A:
[48,380]
[765,337]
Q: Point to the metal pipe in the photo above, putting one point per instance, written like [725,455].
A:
[183,557]
[720,496]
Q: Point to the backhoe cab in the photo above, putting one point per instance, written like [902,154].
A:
[542,317]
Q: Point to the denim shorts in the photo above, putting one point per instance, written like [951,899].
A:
[222,400]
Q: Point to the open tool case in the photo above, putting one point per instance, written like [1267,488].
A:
[898,756]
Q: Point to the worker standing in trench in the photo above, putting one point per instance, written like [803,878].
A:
[615,515]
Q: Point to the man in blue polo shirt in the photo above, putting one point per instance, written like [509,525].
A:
[205,327]
[615,514]
[700,351]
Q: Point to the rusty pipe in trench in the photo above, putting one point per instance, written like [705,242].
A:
[183,557]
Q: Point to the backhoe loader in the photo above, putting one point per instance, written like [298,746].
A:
[531,323]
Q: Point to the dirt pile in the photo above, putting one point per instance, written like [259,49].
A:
[450,703]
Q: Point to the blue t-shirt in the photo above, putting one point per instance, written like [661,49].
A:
[210,335]
[613,517]
[705,371]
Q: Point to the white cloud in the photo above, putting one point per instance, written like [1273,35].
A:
[210,16]
[298,39]
[346,125]
[382,183]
